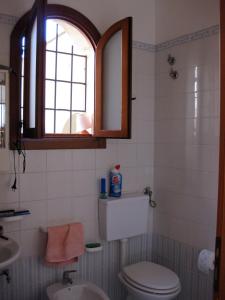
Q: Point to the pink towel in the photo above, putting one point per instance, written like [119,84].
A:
[65,243]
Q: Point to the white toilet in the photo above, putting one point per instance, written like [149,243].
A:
[127,217]
[149,281]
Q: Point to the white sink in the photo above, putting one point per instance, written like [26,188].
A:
[9,252]
[76,291]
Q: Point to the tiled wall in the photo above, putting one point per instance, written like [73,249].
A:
[182,259]
[30,276]
[102,268]
[63,185]
[186,140]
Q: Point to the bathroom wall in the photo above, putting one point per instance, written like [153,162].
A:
[103,13]
[186,154]
[63,185]
[174,148]
[175,18]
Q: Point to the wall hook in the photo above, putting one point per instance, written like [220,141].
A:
[148,191]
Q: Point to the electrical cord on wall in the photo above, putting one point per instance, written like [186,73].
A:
[20,149]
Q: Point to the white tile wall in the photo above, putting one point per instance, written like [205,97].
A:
[186,143]
[63,185]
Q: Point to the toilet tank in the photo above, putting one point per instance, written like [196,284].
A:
[123,217]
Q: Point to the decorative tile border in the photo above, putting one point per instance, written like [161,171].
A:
[7,19]
[144,46]
[201,34]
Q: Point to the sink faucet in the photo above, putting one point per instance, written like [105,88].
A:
[5,273]
[1,234]
[66,277]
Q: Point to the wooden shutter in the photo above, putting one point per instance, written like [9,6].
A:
[107,107]
[34,73]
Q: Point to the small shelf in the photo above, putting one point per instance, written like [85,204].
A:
[15,216]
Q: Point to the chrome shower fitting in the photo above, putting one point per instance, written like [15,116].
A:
[171,60]
[173,74]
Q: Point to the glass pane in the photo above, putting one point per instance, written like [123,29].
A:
[63,95]
[33,67]
[50,65]
[2,91]
[49,94]
[2,109]
[81,123]
[64,43]
[22,92]
[79,68]
[49,121]
[64,67]
[62,122]
[112,92]
[21,114]
[22,63]
[78,102]
[51,35]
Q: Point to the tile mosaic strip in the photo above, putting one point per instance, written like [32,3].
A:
[7,19]
[201,34]
[144,46]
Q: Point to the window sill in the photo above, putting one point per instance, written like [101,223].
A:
[63,143]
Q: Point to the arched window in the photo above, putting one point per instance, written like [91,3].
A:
[56,88]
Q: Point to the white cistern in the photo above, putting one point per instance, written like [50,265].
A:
[125,217]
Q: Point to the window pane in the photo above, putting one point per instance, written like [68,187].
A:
[64,43]
[49,121]
[51,35]
[2,116]
[81,123]
[62,122]
[2,91]
[64,67]
[21,115]
[79,69]
[22,61]
[63,95]
[22,92]
[50,65]
[49,94]
[33,67]
[78,102]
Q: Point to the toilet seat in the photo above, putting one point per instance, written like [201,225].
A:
[151,278]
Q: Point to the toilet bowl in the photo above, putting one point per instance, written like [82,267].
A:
[76,291]
[150,281]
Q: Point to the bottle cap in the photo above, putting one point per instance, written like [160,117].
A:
[117,167]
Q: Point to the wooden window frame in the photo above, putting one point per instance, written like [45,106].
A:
[53,11]
[125,26]
[35,138]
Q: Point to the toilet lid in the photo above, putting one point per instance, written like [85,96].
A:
[153,276]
